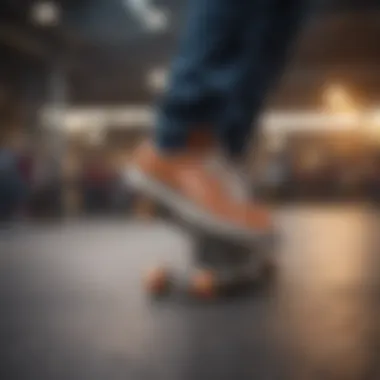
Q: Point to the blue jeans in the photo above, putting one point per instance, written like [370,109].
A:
[230,54]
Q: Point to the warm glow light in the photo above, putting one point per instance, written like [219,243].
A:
[338,100]
[372,123]
[376,120]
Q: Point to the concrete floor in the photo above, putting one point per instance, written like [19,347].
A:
[72,306]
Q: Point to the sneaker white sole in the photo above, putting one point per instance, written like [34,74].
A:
[187,210]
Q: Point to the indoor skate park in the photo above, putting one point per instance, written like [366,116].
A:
[77,82]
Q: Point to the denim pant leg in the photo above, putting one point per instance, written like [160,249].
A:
[269,40]
[229,54]
[203,70]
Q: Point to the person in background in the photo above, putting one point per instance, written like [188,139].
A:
[12,190]
[25,167]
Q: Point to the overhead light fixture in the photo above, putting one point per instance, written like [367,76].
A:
[45,13]
[152,18]
[156,79]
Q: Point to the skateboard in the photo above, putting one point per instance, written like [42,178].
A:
[219,266]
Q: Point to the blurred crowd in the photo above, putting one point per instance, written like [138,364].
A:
[288,177]
[33,183]
[15,172]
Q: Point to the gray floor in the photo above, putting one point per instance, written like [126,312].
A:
[72,306]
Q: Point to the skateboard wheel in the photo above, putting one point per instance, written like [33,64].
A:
[204,285]
[157,281]
[269,268]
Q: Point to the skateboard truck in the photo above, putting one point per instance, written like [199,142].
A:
[219,265]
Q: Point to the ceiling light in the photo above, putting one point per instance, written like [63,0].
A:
[45,13]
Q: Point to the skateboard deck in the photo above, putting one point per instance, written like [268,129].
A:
[219,264]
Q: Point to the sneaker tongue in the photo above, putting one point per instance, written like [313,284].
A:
[231,175]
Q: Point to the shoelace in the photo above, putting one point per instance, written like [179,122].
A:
[232,176]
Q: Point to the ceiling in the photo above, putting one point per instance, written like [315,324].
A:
[108,49]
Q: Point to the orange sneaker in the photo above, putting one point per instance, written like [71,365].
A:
[186,183]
